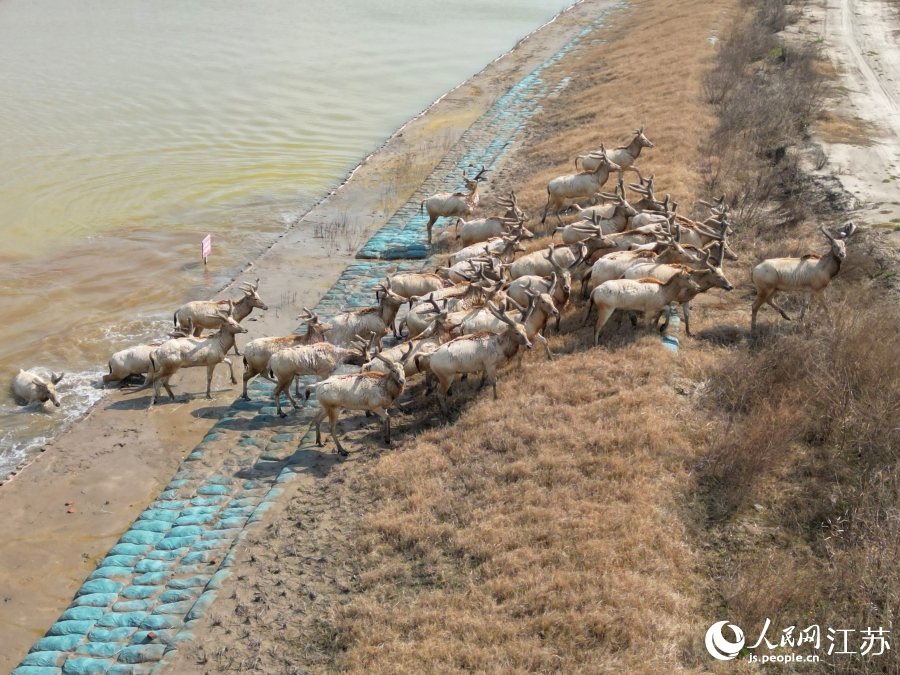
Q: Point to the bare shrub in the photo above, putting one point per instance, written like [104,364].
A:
[766,96]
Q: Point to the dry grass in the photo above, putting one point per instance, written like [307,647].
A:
[617,501]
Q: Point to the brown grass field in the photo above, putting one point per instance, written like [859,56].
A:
[616,501]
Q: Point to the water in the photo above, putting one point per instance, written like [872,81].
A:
[130,129]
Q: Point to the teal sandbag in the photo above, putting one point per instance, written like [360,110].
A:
[111,634]
[103,650]
[180,596]
[47,659]
[192,582]
[143,536]
[169,544]
[121,619]
[86,666]
[129,549]
[127,669]
[152,579]
[93,600]
[221,534]
[70,628]
[185,531]
[110,573]
[162,622]
[119,561]
[168,556]
[180,608]
[154,514]
[147,565]
[151,526]
[82,614]
[58,643]
[203,603]
[134,606]
[138,592]
[142,653]
[35,670]
[99,586]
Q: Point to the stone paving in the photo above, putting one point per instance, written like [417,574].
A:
[141,602]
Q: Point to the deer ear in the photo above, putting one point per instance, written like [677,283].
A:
[54,378]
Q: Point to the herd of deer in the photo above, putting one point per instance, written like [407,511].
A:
[484,307]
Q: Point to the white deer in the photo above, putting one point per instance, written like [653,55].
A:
[453,204]
[194,352]
[575,186]
[809,275]
[204,314]
[625,156]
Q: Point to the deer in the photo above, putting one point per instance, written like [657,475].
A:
[482,229]
[573,186]
[136,360]
[372,392]
[453,204]
[193,352]
[319,359]
[437,333]
[558,286]
[28,388]
[624,156]
[534,318]
[711,276]
[810,274]
[614,265]
[644,295]
[469,296]
[409,284]
[204,314]
[258,352]
[542,263]
[364,322]
[480,352]
[504,247]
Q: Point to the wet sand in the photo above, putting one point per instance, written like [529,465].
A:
[114,461]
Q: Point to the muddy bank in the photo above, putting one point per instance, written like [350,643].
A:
[112,463]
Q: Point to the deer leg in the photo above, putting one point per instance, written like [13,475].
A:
[820,296]
[686,310]
[431,222]
[318,422]
[771,301]
[165,383]
[210,369]
[587,317]
[442,389]
[806,299]
[540,338]
[383,414]
[332,423]
[490,371]
[278,390]
[230,370]
[603,314]
[484,376]
[197,331]
[757,303]
[249,373]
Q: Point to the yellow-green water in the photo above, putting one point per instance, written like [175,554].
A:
[130,129]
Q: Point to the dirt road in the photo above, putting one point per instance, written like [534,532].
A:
[861,37]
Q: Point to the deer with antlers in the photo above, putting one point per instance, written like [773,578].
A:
[576,186]
[810,275]
[205,314]
[453,204]
[624,156]
[372,392]
[482,229]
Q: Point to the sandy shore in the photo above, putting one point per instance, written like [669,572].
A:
[114,462]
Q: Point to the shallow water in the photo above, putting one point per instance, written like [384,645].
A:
[130,129]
